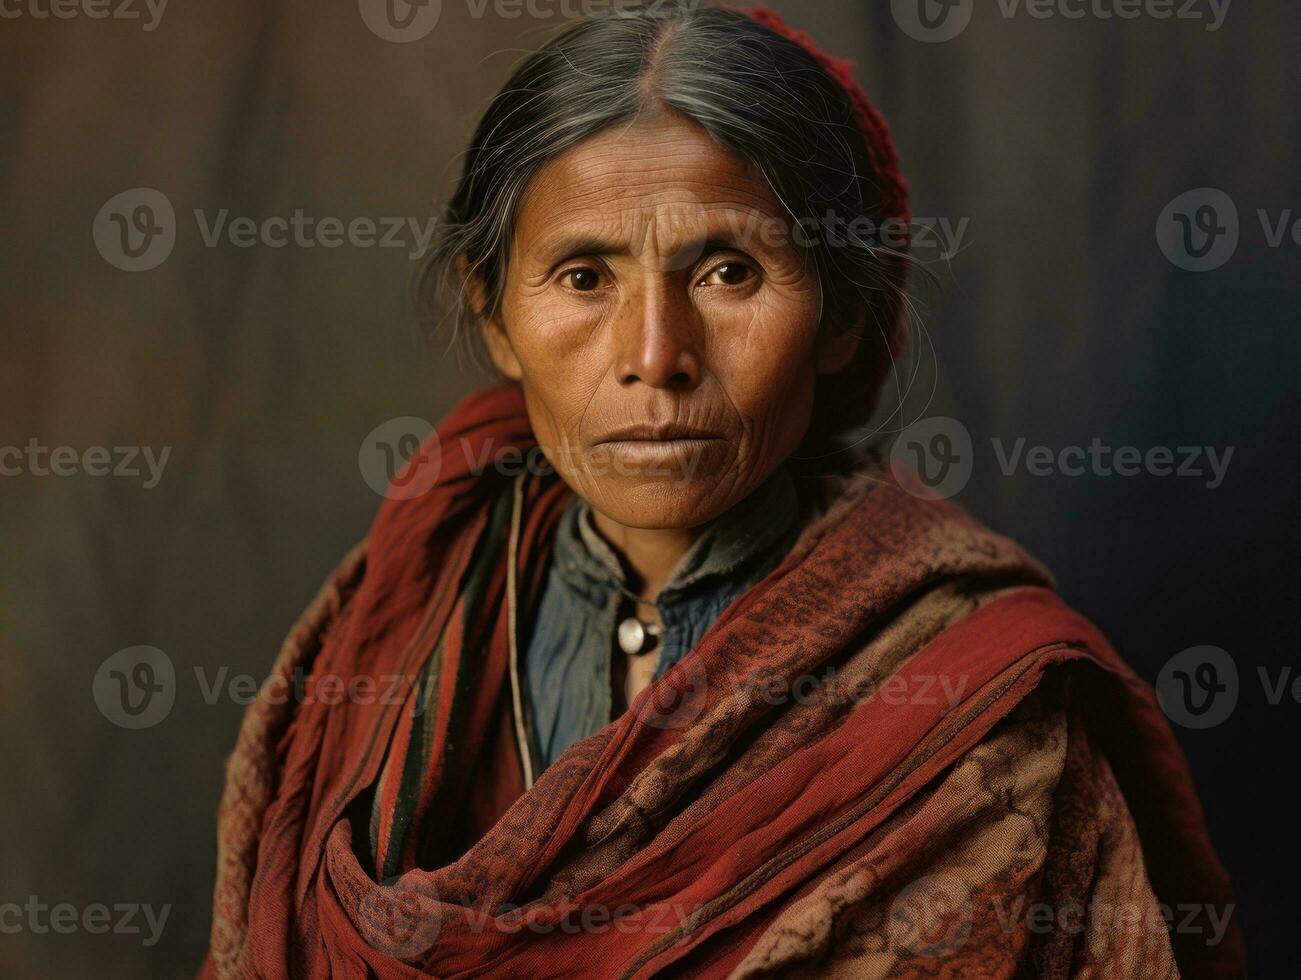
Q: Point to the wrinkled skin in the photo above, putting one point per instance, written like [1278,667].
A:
[638,293]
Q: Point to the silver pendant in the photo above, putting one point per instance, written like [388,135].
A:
[633,635]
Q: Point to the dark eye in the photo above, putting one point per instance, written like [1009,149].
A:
[730,274]
[583,279]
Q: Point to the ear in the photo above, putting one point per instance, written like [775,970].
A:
[837,347]
[494,331]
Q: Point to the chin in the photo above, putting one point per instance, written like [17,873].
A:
[661,487]
[663,503]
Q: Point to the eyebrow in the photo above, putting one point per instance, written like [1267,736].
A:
[563,248]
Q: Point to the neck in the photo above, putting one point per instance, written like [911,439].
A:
[651,555]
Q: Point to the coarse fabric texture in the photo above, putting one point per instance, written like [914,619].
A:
[881,761]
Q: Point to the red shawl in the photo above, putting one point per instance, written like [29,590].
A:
[902,710]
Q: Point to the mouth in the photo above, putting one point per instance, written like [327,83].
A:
[634,435]
[652,449]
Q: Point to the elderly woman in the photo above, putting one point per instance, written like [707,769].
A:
[644,675]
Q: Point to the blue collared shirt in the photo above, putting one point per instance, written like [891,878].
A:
[568,659]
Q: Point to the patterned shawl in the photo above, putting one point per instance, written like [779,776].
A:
[886,759]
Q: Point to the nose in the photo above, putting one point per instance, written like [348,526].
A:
[657,337]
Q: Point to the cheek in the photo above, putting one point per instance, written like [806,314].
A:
[544,328]
[763,355]
[561,369]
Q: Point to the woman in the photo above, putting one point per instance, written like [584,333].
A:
[647,676]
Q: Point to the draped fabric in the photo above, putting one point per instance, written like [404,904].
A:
[881,760]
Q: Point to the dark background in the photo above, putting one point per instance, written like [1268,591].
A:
[1060,320]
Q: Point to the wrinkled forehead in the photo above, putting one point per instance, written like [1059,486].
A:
[654,187]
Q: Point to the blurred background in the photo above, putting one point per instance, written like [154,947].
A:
[1117,257]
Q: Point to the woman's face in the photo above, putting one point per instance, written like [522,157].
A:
[666,338]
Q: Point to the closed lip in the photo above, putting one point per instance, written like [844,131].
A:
[657,433]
